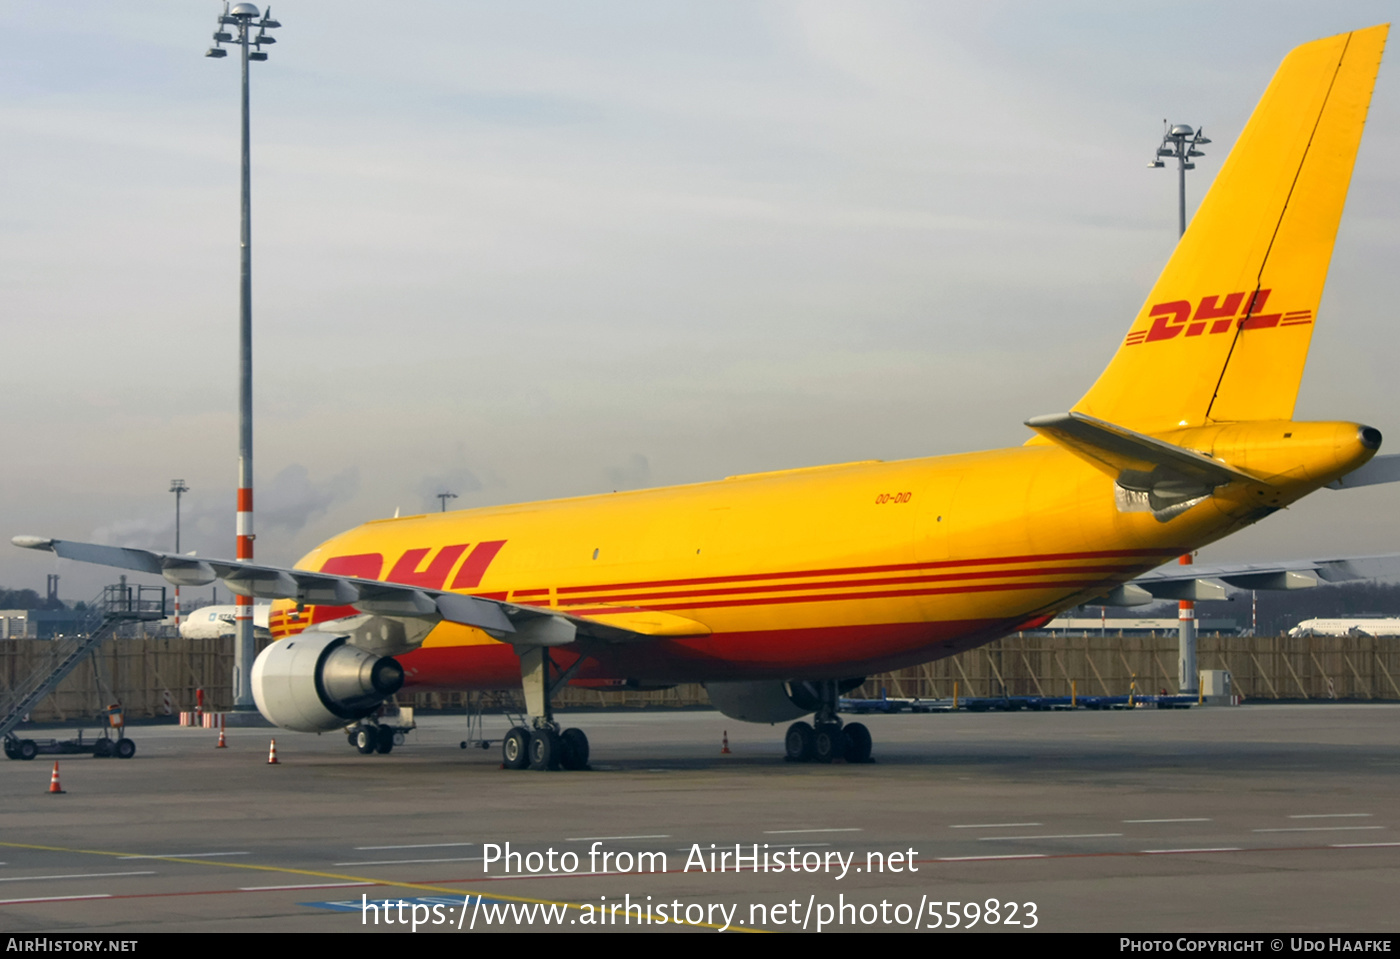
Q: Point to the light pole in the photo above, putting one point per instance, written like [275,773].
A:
[242,17]
[445,497]
[178,487]
[1179,141]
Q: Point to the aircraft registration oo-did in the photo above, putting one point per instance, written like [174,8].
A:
[781,590]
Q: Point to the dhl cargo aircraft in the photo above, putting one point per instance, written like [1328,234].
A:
[781,590]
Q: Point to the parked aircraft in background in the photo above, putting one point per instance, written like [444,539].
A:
[781,590]
[1353,626]
[211,622]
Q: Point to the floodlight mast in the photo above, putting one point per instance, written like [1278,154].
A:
[243,17]
[178,487]
[1179,141]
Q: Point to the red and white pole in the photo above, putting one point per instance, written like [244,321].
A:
[243,605]
[1187,678]
[244,648]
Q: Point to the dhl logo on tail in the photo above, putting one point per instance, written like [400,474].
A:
[1214,314]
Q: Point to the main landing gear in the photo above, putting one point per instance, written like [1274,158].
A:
[826,739]
[541,744]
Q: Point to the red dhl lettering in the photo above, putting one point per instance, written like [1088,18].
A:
[410,571]
[1214,314]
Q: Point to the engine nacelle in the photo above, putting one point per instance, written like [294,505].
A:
[314,682]
[769,701]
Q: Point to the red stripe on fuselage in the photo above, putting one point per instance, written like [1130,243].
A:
[838,584]
[833,597]
[889,568]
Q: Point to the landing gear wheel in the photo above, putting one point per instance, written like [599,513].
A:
[102,749]
[27,749]
[365,740]
[544,749]
[799,742]
[515,748]
[573,753]
[384,739]
[828,742]
[351,737]
[125,748]
[857,743]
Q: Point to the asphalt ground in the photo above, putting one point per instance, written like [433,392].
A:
[1260,819]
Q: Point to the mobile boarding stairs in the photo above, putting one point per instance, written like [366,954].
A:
[117,606]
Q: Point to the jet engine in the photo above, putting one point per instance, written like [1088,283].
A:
[315,682]
[770,702]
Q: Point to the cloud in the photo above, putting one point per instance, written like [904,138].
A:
[635,474]
[284,504]
[292,500]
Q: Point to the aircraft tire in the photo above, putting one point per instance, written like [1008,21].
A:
[828,742]
[515,748]
[544,750]
[799,742]
[858,743]
[27,749]
[350,736]
[574,751]
[365,740]
[125,748]
[384,740]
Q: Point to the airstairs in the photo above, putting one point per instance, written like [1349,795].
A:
[115,607]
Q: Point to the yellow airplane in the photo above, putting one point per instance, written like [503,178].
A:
[781,590]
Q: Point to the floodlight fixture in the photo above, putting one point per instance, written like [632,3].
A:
[1180,142]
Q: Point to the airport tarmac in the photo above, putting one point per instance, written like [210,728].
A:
[1263,819]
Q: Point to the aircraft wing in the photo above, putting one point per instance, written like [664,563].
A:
[516,624]
[1381,469]
[1205,581]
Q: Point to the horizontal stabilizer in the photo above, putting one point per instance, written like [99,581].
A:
[1167,473]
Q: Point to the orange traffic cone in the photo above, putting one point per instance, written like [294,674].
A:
[724,751]
[272,754]
[54,787]
[221,744]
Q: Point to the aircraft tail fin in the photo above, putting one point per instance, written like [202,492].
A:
[1225,333]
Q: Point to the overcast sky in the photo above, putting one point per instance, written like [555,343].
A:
[528,250]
